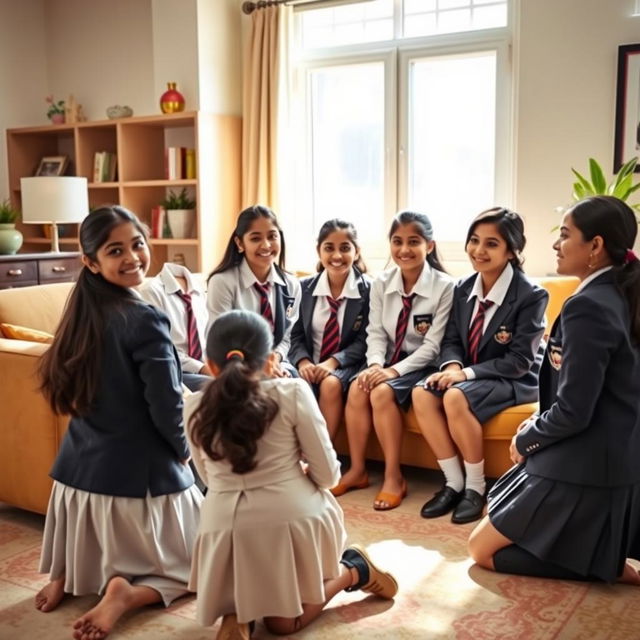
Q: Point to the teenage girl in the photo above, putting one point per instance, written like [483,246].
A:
[570,508]
[123,512]
[270,542]
[328,342]
[490,361]
[410,305]
[251,276]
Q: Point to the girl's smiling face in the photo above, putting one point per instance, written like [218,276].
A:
[123,259]
[487,249]
[409,249]
[572,250]
[337,253]
[260,246]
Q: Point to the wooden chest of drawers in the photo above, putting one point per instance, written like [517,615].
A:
[25,269]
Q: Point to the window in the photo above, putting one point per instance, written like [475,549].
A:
[394,114]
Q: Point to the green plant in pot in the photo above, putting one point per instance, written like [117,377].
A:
[181,213]
[10,238]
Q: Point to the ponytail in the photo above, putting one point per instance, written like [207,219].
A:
[628,279]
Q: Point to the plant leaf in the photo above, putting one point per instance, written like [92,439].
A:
[597,177]
[626,169]
[622,187]
[578,191]
[586,185]
[630,191]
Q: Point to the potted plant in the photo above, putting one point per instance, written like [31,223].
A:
[56,111]
[181,213]
[10,237]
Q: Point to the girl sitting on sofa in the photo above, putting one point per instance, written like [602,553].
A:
[124,510]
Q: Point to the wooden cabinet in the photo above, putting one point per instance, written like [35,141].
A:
[25,269]
[140,144]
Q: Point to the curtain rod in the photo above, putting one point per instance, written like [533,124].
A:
[249,7]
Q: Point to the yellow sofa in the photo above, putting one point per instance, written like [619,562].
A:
[497,431]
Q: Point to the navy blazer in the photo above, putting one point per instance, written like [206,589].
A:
[132,440]
[353,333]
[510,346]
[588,430]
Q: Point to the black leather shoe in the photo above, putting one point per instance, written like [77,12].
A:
[443,502]
[469,508]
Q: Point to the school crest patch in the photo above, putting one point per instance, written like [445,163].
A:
[422,323]
[554,352]
[503,335]
[288,305]
[357,323]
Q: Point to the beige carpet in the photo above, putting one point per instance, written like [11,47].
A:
[441,594]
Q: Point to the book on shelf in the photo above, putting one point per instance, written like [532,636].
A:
[179,163]
[104,166]
[158,222]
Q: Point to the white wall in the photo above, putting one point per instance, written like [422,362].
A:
[566,66]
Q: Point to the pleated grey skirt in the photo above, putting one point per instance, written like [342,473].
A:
[588,530]
[90,538]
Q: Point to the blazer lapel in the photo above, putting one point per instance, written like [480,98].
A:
[308,305]
[279,320]
[464,314]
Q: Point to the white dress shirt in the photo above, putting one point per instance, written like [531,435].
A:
[233,289]
[322,310]
[161,291]
[434,297]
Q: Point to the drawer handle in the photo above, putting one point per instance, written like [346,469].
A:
[59,269]
[14,272]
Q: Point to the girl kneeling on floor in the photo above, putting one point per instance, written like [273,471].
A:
[271,538]
[490,361]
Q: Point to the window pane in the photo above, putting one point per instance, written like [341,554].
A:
[452,139]
[347,140]
[488,17]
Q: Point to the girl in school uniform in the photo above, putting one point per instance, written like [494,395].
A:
[408,313]
[328,342]
[124,510]
[570,508]
[490,361]
[251,276]
[271,538]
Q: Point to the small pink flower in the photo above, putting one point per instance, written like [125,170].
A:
[49,99]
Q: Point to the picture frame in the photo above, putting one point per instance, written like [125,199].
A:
[52,166]
[627,136]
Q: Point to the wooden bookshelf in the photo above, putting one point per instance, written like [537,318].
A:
[139,144]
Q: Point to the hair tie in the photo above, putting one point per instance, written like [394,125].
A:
[630,256]
[234,353]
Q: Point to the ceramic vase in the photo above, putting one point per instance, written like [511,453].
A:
[181,222]
[171,101]
[57,118]
[10,239]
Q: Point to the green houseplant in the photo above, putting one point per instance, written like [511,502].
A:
[10,238]
[181,213]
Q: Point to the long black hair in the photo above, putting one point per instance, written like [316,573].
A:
[510,226]
[336,224]
[70,368]
[232,256]
[234,411]
[423,227]
[614,221]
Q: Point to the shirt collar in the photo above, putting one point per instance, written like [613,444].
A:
[349,290]
[593,276]
[248,278]
[171,285]
[499,290]
[423,286]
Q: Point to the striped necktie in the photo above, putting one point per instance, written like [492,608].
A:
[331,334]
[475,330]
[194,348]
[401,327]
[265,305]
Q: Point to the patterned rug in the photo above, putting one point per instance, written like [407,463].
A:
[442,595]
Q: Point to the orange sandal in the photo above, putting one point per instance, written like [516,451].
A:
[340,489]
[393,500]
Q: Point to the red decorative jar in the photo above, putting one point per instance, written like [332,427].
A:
[171,101]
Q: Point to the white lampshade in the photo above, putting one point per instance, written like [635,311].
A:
[54,199]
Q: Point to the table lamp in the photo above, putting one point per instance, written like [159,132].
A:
[54,200]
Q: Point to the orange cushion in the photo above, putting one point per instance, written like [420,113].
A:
[15,332]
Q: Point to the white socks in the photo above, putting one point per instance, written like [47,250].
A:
[453,475]
[475,476]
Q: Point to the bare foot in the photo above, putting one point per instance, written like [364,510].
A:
[630,575]
[48,598]
[119,598]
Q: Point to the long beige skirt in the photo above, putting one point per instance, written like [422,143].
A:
[266,551]
[90,538]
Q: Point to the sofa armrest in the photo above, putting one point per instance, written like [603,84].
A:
[31,433]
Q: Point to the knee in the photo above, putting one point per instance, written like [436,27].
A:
[357,398]
[331,388]
[454,402]
[478,551]
[280,626]
[381,396]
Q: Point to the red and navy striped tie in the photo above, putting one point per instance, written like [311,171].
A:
[194,348]
[331,334]
[475,330]
[265,306]
[401,327]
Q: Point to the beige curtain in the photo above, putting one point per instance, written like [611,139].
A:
[264,103]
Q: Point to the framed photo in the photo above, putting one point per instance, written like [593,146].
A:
[52,166]
[627,142]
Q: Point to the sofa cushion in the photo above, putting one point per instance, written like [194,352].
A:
[15,332]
